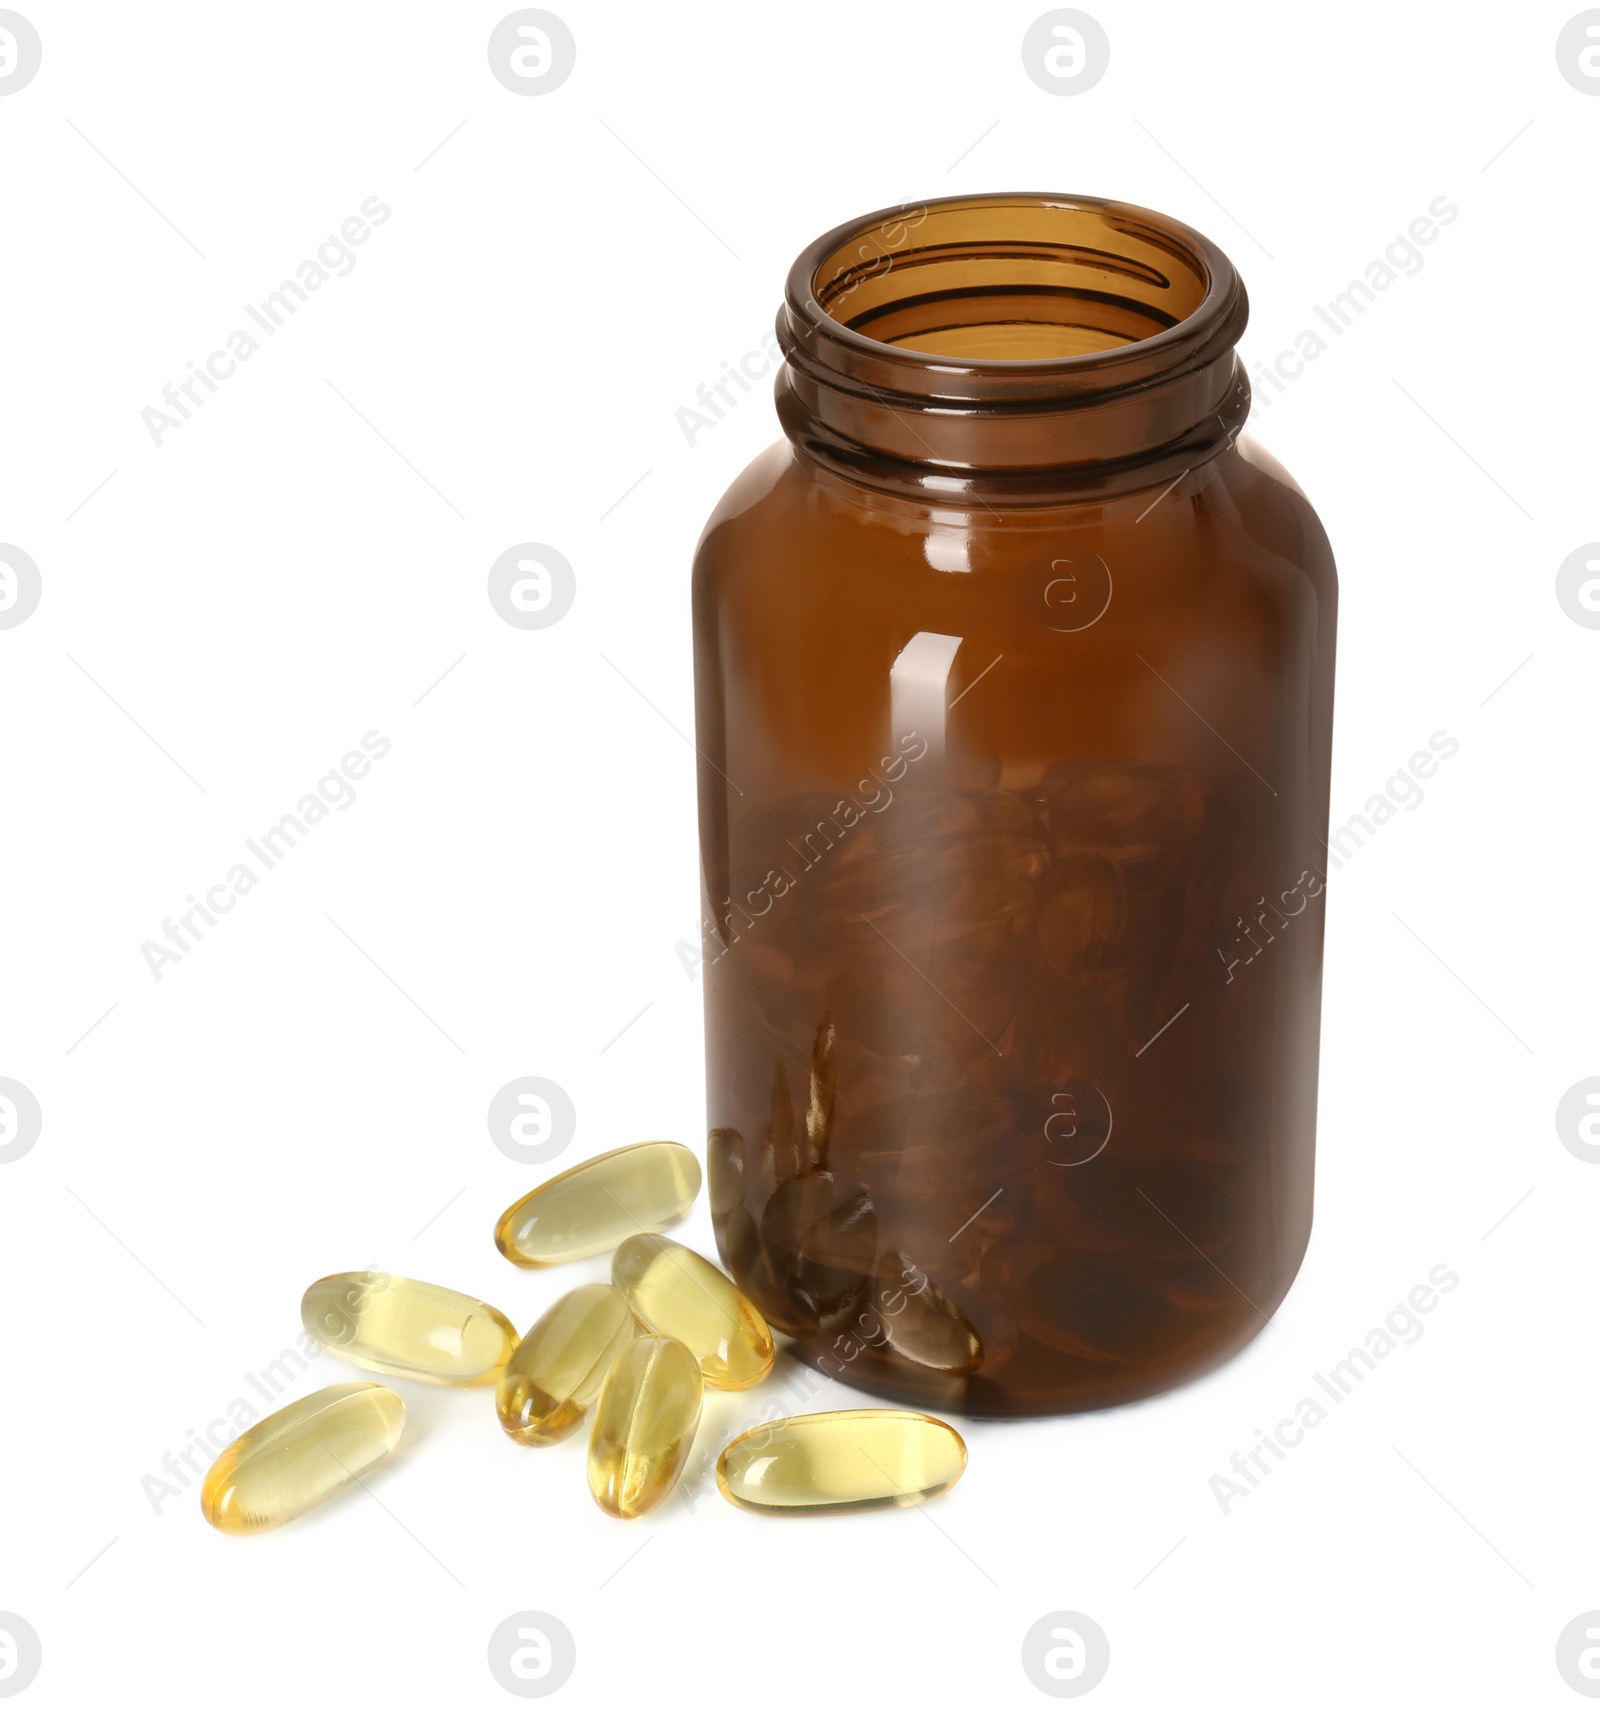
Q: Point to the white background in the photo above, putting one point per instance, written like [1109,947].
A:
[306,1091]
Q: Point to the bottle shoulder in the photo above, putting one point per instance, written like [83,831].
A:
[1276,514]
[750,489]
[783,513]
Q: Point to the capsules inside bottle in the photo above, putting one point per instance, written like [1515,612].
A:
[922,1326]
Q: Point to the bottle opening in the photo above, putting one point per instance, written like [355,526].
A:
[1022,345]
[1011,280]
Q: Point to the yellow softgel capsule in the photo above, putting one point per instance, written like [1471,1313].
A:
[404,1328]
[675,1292]
[644,1425]
[593,1206]
[837,1462]
[300,1456]
[552,1378]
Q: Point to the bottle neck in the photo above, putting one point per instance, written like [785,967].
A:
[1020,348]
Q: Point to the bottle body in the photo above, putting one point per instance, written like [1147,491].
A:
[1012,834]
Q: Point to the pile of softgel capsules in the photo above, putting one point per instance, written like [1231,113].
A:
[637,1351]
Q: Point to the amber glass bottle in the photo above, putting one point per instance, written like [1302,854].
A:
[1014,678]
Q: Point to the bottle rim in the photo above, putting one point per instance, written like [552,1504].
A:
[930,414]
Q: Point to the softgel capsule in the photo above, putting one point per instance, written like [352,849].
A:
[677,1293]
[840,1462]
[644,1425]
[404,1328]
[553,1377]
[301,1456]
[589,1208]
